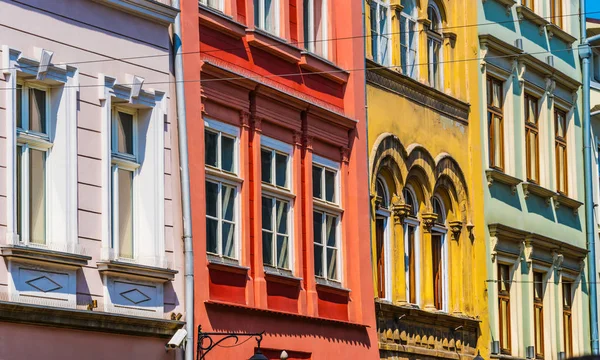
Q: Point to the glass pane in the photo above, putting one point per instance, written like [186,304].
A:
[281,170]
[37,110]
[37,196]
[318,260]
[332,264]
[211,235]
[212,199]
[497,94]
[124,133]
[257,13]
[317,174]
[282,252]
[504,314]
[227,153]
[267,246]
[228,202]
[265,166]
[532,153]
[319,28]
[214,4]
[270,15]
[404,44]
[497,141]
[561,168]
[560,124]
[228,245]
[538,286]
[282,217]
[19,106]
[374,33]
[490,99]
[331,228]
[330,186]
[19,195]
[210,148]
[125,213]
[267,213]
[318,227]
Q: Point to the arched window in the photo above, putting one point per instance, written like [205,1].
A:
[409,199]
[382,241]
[434,46]
[379,13]
[438,209]
[408,38]
[411,249]
[439,256]
[382,193]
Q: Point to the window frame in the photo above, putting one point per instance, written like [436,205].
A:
[260,12]
[504,296]
[410,22]
[411,221]
[440,229]
[310,39]
[567,313]
[435,78]
[532,127]
[499,112]
[377,36]
[538,303]
[556,19]
[220,7]
[529,4]
[383,213]
[561,142]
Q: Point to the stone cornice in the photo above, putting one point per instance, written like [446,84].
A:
[148,9]
[420,93]
[44,255]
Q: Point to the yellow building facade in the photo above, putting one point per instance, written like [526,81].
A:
[428,252]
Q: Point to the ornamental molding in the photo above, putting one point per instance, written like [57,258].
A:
[455,229]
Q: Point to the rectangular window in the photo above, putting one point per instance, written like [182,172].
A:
[556,12]
[33,145]
[437,264]
[411,265]
[504,283]
[220,219]
[274,168]
[315,27]
[531,139]
[275,232]
[380,248]
[380,37]
[408,45]
[538,313]
[495,123]
[560,146]
[567,305]
[124,170]
[434,58]
[266,15]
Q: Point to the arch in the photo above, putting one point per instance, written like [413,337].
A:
[381,189]
[440,11]
[421,167]
[388,158]
[438,207]
[450,177]
[410,198]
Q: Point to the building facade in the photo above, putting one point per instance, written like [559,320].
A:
[426,224]
[277,134]
[534,223]
[89,192]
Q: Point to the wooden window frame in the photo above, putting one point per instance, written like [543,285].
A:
[561,142]
[556,18]
[531,4]
[567,314]
[504,296]
[495,111]
[532,127]
[538,303]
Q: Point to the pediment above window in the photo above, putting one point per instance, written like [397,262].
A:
[131,91]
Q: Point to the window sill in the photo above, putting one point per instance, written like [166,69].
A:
[281,276]
[523,12]
[132,270]
[222,175]
[555,30]
[37,140]
[330,286]
[268,189]
[319,204]
[23,252]
[502,177]
[535,189]
[262,40]
[323,67]
[561,199]
[221,22]
[216,262]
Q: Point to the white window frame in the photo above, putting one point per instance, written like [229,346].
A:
[285,194]
[231,179]
[261,16]
[412,48]
[431,39]
[310,23]
[414,222]
[382,38]
[386,214]
[443,230]
[219,6]
[333,209]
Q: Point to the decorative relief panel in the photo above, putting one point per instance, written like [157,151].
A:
[35,284]
[134,297]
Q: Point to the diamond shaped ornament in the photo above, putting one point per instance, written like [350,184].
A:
[135,296]
[44,284]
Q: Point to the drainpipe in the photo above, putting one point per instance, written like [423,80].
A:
[185,187]
[585,52]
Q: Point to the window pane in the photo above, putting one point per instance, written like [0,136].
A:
[125,213]
[331,228]
[19,195]
[267,213]
[318,227]
[228,201]
[37,196]
[317,174]
[532,153]
[497,94]
[282,252]
[211,235]
[37,110]
[257,13]
[282,217]
[332,264]
[403,44]
[504,314]
[318,260]
[228,245]
[124,133]
[210,148]
[281,170]
[265,166]
[561,168]
[539,331]
[270,15]
[330,186]
[319,28]
[374,33]
[212,199]
[497,141]
[19,106]
[227,153]
[267,246]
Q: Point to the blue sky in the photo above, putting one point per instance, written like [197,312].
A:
[593,6]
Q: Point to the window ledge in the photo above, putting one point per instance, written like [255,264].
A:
[535,189]
[523,12]
[126,269]
[148,9]
[555,30]
[268,189]
[223,175]
[330,286]
[561,199]
[262,40]
[22,252]
[217,20]
[319,204]
[323,67]
[220,263]
[502,177]
[281,276]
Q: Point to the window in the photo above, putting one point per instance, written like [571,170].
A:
[382,239]
[315,26]
[438,243]
[33,147]
[408,38]
[380,40]
[556,12]
[560,146]
[567,305]
[538,313]
[504,283]
[266,15]
[215,4]
[326,218]
[532,147]
[495,103]
[276,203]
[221,189]
[528,3]
[411,226]
[124,166]
[434,46]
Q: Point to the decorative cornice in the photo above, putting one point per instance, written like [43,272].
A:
[36,254]
[411,89]
[455,229]
[428,220]
[344,155]
[125,269]
[148,9]
[502,177]
[400,212]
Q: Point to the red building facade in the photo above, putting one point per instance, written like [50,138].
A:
[278,166]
